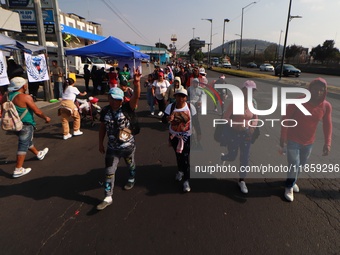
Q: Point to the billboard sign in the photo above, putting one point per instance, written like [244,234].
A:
[29,3]
[28,16]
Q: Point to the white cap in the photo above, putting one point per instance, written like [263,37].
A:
[181,91]
[16,83]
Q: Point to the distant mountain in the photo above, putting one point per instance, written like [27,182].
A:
[248,45]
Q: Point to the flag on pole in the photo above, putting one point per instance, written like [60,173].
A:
[36,68]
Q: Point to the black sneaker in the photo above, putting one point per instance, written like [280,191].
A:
[129,184]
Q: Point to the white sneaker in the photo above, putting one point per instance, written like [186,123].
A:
[152,113]
[243,187]
[65,137]
[296,188]
[223,161]
[78,132]
[289,194]
[106,202]
[160,114]
[179,176]
[18,172]
[41,154]
[186,186]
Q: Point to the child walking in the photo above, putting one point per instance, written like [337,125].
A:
[69,109]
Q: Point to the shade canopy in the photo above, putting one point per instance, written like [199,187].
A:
[108,48]
[7,43]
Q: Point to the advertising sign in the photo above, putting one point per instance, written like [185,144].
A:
[28,16]
[32,28]
[29,3]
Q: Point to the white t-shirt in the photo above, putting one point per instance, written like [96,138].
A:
[160,88]
[195,94]
[70,93]
[181,125]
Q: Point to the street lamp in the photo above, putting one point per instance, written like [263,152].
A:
[239,67]
[209,51]
[193,33]
[277,52]
[225,20]
[289,18]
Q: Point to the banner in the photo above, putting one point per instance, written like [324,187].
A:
[36,68]
[3,71]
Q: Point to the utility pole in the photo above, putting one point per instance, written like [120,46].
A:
[159,51]
[57,27]
[42,41]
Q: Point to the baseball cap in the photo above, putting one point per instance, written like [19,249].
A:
[116,93]
[249,84]
[196,80]
[181,91]
[93,100]
[16,83]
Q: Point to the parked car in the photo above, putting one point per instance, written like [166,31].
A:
[226,65]
[266,67]
[252,65]
[288,70]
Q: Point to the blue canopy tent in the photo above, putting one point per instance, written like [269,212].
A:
[109,48]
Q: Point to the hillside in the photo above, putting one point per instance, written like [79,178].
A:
[248,45]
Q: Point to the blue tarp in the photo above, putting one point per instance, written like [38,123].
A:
[79,33]
[110,47]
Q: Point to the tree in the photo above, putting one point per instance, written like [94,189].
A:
[270,52]
[326,52]
[293,50]
[199,56]
[161,45]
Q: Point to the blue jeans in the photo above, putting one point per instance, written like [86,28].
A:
[25,139]
[297,155]
[111,163]
[239,140]
[151,100]
[58,90]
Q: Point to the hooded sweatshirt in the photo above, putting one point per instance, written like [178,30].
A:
[169,95]
[305,130]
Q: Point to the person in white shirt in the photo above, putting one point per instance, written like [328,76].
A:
[159,88]
[69,109]
[182,118]
[195,93]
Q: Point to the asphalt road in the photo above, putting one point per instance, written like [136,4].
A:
[52,209]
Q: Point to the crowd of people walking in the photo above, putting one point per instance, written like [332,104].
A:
[177,91]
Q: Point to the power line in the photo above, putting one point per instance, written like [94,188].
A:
[126,22]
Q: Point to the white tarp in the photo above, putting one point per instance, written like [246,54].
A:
[9,20]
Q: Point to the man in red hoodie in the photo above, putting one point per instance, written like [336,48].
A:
[299,139]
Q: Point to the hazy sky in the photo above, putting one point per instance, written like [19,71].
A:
[157,20]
